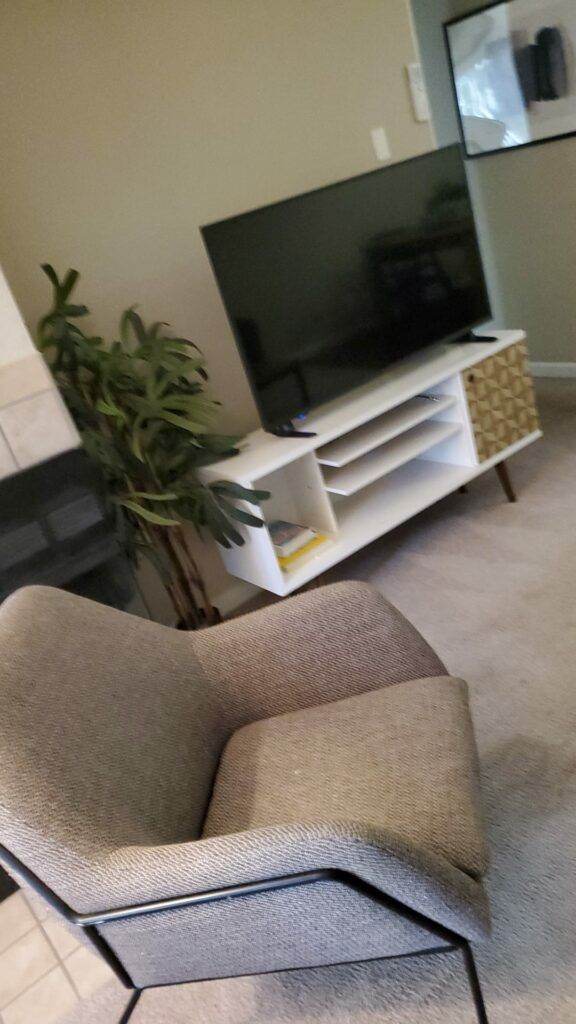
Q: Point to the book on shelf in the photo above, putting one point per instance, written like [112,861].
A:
[289,562]
[289,537]
[292,542]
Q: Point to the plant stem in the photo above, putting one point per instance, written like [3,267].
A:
[186,605]
[212,615]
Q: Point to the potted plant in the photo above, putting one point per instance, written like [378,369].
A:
[141,408]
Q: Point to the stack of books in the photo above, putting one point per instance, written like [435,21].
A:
[292,542]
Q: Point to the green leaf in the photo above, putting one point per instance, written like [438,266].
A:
[238,513]
[154,330]
[187,403]
[186,341]
[125,324]
[234,490]
[184,424]
[104,453]
[109,410]
[137,438]
[68,284]
[137,324]
[222,442]
[51,274]
[146,513]
[220,527]
[155,497]
[75,310]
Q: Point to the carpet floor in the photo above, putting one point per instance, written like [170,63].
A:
[492,586]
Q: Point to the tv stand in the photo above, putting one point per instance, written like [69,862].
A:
[470,338]
[383,453]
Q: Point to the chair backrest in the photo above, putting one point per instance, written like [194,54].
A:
[109,733]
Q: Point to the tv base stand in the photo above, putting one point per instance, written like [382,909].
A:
[383,453]
[470,338]
[287,430]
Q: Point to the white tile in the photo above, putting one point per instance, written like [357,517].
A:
[7,462]
[16,919]
[38,428]
[15,341]
[23,963]
[23,378]
[88,971]
[44,1003]
[38,906]
[63,940]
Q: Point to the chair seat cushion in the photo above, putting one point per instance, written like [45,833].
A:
[402,758]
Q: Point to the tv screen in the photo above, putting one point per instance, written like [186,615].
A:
[325,290]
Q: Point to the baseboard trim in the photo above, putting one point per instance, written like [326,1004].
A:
[553,369]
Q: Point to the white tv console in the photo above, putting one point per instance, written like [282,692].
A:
[383,453]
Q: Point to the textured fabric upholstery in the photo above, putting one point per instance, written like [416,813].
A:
[415,876]
[419,880]
[323,923]
[403,758]
[111,733]
[319,646]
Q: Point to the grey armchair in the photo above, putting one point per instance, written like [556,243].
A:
[293,788]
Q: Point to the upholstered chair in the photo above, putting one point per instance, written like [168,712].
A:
[293,788]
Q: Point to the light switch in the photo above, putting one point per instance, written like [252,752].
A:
[381,144]
[418,92]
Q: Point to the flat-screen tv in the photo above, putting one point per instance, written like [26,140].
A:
[325,290]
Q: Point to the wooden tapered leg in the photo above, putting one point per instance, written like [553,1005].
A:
[504,478]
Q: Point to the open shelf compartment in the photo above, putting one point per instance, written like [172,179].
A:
[298,495]
[382,429]
[380,508]
[384,460]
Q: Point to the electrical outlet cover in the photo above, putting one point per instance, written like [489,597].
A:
[381,144]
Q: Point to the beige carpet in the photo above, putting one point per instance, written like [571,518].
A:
[493,588]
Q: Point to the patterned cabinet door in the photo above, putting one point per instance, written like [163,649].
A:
[501,400]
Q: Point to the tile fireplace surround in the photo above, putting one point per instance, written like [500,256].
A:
[34,422]
[55,525]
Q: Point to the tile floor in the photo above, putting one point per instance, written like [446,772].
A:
[44,970]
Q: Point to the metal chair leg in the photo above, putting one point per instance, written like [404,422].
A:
[474,982]
[131,1006]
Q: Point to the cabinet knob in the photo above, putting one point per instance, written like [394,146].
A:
[471,378]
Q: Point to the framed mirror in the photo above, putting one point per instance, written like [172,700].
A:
[514,72]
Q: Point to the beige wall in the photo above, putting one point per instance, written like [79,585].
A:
[125,125]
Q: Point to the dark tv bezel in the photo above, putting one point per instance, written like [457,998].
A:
[269,424]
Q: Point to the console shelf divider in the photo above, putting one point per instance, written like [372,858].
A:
[384,428]
[381,461]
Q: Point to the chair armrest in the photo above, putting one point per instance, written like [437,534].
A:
[320,646]
[424,882]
